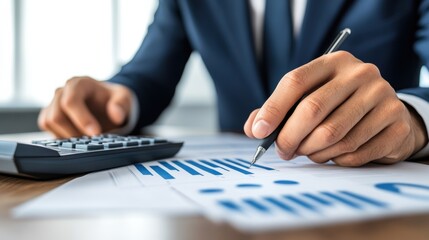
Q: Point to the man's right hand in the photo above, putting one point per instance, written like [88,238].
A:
[85,106]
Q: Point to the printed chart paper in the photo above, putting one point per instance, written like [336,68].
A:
[210,176]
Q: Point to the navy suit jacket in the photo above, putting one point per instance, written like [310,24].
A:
[392,34]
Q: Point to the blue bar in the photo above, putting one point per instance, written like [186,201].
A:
[255,165]
[208,163]
[204,168]
[229,205]
[186,168]
[232,167]
[238,164]
[142,169]
[211,190]
[301,203]
[342,200]
[281,205]
[256,205]
[248,185]
[161,172]
[365,199]
[168,166]
[317,199]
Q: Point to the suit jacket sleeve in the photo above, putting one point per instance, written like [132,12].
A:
[156,68]
[421,47]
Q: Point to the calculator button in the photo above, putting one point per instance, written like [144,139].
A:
[53,144]
[113,145]
[68,145]
[143,141]
[131,143]
[89,147]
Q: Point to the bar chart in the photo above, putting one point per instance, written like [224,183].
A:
[302,203]
[170,170]
[285,200]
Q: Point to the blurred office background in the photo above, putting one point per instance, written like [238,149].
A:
[45,42]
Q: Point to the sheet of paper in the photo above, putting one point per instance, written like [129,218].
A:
[210,176]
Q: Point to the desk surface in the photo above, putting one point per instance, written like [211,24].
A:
[14,191]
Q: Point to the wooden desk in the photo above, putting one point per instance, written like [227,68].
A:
[14,191]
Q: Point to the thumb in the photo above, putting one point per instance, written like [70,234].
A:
[118,106]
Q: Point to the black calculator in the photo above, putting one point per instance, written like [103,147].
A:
[47,159]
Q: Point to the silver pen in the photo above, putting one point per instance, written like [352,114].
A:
[268,141]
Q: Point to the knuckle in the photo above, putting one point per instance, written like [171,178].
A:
[370,69]
[397,107]
[313,107]
[77,81]
[67,102]
[273,109]
[58,91]
[331,133]
[367,71]
[351,160]
[317,159]
[284,144]
[342,55]
[348,145]
[339,57]
[295,80]
[72,81]
[380,88]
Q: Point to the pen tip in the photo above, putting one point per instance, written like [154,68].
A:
[258,154]
[253,161]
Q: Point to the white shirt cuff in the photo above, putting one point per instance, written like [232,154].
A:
[421,106]
[133,117]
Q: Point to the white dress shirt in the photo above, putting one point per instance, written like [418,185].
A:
[257,13]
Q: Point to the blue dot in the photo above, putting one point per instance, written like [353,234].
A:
[249,185]
[286,182]
[211,190]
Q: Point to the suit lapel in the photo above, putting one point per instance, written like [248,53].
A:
[317,29]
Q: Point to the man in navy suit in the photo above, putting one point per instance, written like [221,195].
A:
[362,104]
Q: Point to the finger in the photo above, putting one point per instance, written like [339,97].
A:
[60,125]
[41,120]
[55,119]
[374,149]
[293,86]
[52,119]
[73,103]
[344,118]
[310,112]
[249,122]
[119,104]
[372,124]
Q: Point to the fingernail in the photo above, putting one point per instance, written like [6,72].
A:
[261,129]
[92,129]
